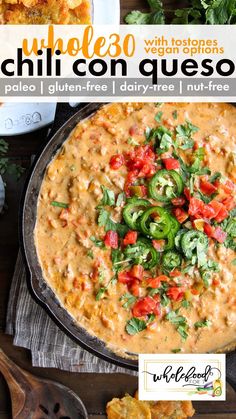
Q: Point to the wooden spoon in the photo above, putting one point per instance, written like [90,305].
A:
[36,398]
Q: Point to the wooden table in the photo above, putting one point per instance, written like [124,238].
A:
[94,389]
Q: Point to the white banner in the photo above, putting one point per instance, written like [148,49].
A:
[182,377]
[118,63]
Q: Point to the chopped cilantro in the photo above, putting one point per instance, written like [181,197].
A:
[108,196]
[132,141]
[176,351]
[204,323]
[180,322]
[185,304]
[100,293]
[59,204]
[104,220]
[158,116]
[162,137]
[97,242]
[184,135]
[151,318]
[135,325]
[90,254]
[214,177]
[121,198]
[128,299]
[229,226]
[175,114]
[101,275]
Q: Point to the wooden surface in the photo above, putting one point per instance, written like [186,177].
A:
[94,389]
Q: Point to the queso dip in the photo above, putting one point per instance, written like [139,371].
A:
[136,226]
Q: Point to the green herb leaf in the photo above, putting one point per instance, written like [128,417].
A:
[59,204]
[3,146]
[90,254]
[135,325]
[138,18]
[108,196]
[175,114]
[132,141]
[184,135]
[128,299]
[120,199]
[214,177]
[151,318]
[185,303]
[204,323]
[180,322]
[100,293]
[158,116]
[104,220]
[176,351]
[97,242]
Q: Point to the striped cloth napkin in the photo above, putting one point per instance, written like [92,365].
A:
[33,329]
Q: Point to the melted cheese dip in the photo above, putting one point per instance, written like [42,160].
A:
[71,262]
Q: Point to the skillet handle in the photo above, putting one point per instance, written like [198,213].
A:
[231,369]
[63,112]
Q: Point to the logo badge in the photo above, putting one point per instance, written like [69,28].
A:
[182,377]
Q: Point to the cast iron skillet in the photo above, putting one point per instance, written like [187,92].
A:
[37,285]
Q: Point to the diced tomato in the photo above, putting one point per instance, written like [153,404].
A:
[215,282]
[206,187]
[159,245]
[111,239]
[194,291]
[125,277]
[229,203]
[171,164]
[180,214]
[130,179]
[217,206]
[228,186]
[134,130]
[130,237]
[117,161]
[208,230]
[222,214]
[137,271]
[148,170]
[215,233]
[140,163]
[175,273]
[208,212]
[219,235]
[154,282]
[195,146]
[134,287]
[76,283]
[86,286]
[178,202]
[139,156]
[195,207]
[175,293]
[145,306]
[187,193]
